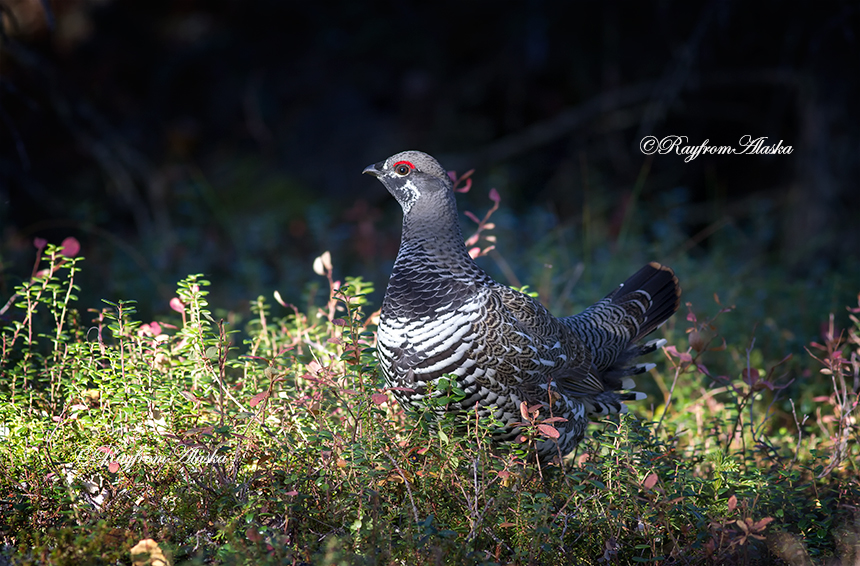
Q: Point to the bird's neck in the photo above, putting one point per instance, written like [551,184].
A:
[432,239]
[433,272]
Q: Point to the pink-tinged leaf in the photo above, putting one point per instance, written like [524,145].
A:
[339,322]
[472,240]
[255,400]
[489,226]
[733,503]
[472,217]
[379,398]
[524,410]
[759,526]
[155,327]
[71,247]
[474,252]
[253,535]
[177,305]
[40,243]
[683,356]
[453,176]
[650,481]
[703,369]
[466,187]
[507,525]
[494,196]
[691,317]
[113,467]
[555,420]
[548,431]
[750,375]
[42,273]
[105,449]
[292,493]
[79,407]
[504,474]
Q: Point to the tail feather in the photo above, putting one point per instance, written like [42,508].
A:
[610,402]
[647,299]
[661,288]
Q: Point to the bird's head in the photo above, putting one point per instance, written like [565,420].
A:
[411,177]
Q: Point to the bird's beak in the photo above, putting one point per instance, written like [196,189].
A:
[375,169]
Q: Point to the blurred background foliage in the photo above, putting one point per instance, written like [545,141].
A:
[226,137]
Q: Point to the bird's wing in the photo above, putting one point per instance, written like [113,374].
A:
[545,348]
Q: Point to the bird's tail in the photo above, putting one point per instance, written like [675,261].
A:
[614,326]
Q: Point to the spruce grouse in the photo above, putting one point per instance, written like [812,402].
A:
[443,315]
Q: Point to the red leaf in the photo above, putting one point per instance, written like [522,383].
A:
[177,305]
[465,188]
[650,481]
[524,411]
[379,398]
[255,400]
[548,431]
[71,247]
[683,356]
[750,375]
[555,420]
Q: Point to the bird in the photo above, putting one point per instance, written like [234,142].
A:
[443,316]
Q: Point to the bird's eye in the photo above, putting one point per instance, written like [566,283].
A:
[403,168]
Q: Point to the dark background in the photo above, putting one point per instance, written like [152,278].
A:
[228,137]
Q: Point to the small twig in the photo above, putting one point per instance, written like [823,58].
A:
[799,430]
[406,483]
[669,397]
